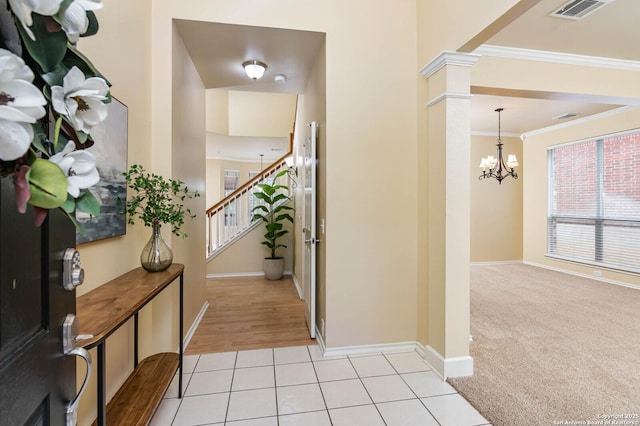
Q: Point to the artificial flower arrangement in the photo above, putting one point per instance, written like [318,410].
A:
[51,97]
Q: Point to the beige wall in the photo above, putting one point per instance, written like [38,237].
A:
[365,304]
[261,114]
[312,107]
[369,286]
[496,209]
[242,113]
[188,164]
[448,25]
[535,189]
[217,111]
[244,257]
[122,23]
[214,182]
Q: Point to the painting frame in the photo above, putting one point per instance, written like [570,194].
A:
[111,152]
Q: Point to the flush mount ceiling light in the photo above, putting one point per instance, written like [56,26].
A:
[254,69]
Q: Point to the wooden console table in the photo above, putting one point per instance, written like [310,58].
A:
[101,312]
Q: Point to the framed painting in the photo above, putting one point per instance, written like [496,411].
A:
[110,150]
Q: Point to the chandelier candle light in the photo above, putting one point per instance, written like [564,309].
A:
[496,166]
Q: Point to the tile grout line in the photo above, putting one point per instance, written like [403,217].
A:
[324,400]
[366,390]
[275,385]
[233,375]
[412,391]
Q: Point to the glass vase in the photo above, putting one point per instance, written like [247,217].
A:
[156,255]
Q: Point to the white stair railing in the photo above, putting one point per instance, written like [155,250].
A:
[231,217]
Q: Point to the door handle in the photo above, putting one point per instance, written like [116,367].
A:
[69,339]
[312,240]
[72,272]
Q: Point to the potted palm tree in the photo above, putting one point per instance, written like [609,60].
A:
[273,211]
[156,201]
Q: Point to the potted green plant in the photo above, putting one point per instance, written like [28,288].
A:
[157,201]
[273,211]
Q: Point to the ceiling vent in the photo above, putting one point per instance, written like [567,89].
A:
[578,9]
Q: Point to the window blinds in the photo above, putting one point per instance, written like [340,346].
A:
[594,201]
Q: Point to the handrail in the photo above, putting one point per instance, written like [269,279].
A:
[223,229]
[234,216]
[243,188]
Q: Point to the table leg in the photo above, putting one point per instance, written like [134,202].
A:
[181,336]
[135,340]
[102,390]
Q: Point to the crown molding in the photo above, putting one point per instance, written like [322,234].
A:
[556,57]
[448,95]
[449,57]
[579,121]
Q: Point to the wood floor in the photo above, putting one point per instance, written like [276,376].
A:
[250,313]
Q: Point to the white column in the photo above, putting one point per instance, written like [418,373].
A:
[448,140]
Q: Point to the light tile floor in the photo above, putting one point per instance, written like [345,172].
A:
[297,386]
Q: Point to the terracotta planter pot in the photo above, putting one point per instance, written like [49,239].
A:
[273,268]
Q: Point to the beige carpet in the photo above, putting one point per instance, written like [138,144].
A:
[551,347]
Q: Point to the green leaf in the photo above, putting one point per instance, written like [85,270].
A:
[259,217]
[264,197]
[281,207]
[285,216]
[56,75]
[280,234]
[49,48]
[260,207]
[88,203]
[39,138]
[93,24]
[47,183]
[69,205]
[75,58]
[281,173]
[279,197]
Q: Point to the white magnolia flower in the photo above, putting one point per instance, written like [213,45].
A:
[23,8]
[80,100]
[78,166]
[74,17]
[21,104]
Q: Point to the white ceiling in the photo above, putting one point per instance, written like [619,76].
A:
[613,31]
[218,51]
[246,148]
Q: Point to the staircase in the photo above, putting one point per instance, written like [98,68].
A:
[230,218]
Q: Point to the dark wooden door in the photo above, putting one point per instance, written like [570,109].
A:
[36,379]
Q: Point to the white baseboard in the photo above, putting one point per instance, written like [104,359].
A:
[236,274]
[579,274]
[500,262]
[447,367]
[370,349]
[295,281]
[194,326]
[319,340]
[241,274]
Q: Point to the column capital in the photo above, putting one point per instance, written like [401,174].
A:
[449,57]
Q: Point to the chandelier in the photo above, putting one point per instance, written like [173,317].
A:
[497,168]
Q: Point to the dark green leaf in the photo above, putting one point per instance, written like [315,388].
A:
[75,58]
[93,24]
[49,48]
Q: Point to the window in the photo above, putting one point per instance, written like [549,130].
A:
[231,181]
[253,201]
[594,201]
